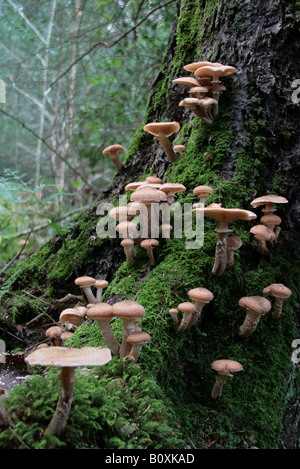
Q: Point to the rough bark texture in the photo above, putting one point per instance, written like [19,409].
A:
[251,149]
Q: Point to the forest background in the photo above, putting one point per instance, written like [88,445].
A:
[77,76]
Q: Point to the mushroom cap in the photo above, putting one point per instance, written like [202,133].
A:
[120,211]
[187,307]
[257,304]
[66,335]
[100,310]
[126,227]
[164,129]
[262,232]
[202,190]
[234,242]
[147,243]
[270,198]
[153,180]
[198,89]
[201,294]
[226,366]
[128,309]
[100,283]
[195,65]
[54,331]
[212,69]
[189,101]
[189,81]
[172,187]
[271,219]
[71,357]
[162,196]
[277,290]
[85,281]
[72,315]
[179,147]
[127,242]
[138,337]
[228,215]
[145,195]
[132,186]
[113,149]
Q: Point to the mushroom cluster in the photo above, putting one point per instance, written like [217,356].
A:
[191,310]
[205,88]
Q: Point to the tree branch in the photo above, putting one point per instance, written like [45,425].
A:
[113,43]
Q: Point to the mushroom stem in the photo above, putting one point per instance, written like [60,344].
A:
[116,162]
[128,327]
[108,335]
[165,142]
[218,386]
[277,307]
[250,323]
[63,407]
[221,252]
[174,315]
[195,316]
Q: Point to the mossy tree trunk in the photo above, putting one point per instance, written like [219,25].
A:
[251,149]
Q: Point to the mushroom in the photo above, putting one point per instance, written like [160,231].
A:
[103,314]
[128,245]
[127,229]
[192,67]
[233,243]
[170,188]
[215,70]
[100,285]
[163,130]
[268,201]
[224,216]
[148,244]
[72,315]
[191,82]
[147,196]
[137,340]
[203,108]
[179,149]
[188,310]
[113,152]
[224,368]
[153,180]
[128,311]
[272,221]
[132,186]
[68,359]
[66,335]
[122,213]
[279,293]
[174,315]
[256,307]
[54,333]
[165,229]
[202,192]
[201,297]
[262,234]
[85,283]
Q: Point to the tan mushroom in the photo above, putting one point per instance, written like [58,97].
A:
[224,368]
[102,313]
[279,292]
[272,221]
[66,335]
[153,180]
[262,234]
[174,315]
[202,192]
[215,71]
[192,67]
[100,284]
[128,245]
[201,296]
[191,82]
[127,229]
[268,201]
[54,333]
[148,244]
[256,307]
[179,149]
[68,359]
[171,188]
[224,216]
[233,243]
[137,340]
[147,196]
[165,230]
[113,152]
[188,310]
[128,311]
[85,283]
[163,130]
[72,315]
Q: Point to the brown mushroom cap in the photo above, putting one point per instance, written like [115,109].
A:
[214,70]
[100,310]
[172,187]
[70,357]
[225,215]
[234,242]
[271,219]
[164,129]
[126,228]
[262,232]
[200,294]
[66,335]
[132,186]
[113,149]
[127,242]
[153,180]
[195,65]
[202,190]
[266,199]
[138,337]
[277,290]
[147,243]
[145,195]
[189,81]
[258,304]
[53,332]
[73,315]
[187,307]
[226,366]
[100,283]
[128,309]
[85,281]
[179,147]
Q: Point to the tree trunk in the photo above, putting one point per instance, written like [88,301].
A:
[250,150]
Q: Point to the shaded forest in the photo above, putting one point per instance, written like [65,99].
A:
[240,141]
